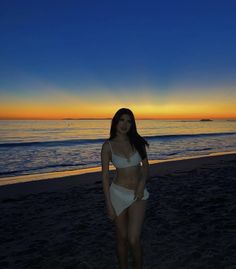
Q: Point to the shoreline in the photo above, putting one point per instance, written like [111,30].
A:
[91,178]
[72,173]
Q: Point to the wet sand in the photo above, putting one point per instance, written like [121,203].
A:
[61,223]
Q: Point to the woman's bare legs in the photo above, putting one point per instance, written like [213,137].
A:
[136,214]
[122,239]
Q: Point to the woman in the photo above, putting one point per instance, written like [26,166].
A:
[126,196]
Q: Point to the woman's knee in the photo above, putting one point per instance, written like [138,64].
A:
[134,241]
[122,234]
[122,237]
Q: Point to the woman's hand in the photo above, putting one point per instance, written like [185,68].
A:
[138,193]
[111,212]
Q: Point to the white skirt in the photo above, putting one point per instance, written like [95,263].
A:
[121,197]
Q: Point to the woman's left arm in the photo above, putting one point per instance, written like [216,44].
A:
[139,192]
[144,173]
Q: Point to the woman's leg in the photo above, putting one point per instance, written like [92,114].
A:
[136,214]
[121,222]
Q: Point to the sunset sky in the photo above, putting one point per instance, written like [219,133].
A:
[73,59]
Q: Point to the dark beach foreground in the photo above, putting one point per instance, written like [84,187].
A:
[190,220]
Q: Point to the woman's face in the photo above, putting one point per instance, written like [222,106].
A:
[124,124]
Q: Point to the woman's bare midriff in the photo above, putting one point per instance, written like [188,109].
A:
[128,177]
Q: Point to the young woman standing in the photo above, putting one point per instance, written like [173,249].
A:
[127,195]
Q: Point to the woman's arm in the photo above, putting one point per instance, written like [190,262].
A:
[144,177]
[105,159]
[145,173]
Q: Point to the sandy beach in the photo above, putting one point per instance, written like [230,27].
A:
[61,223]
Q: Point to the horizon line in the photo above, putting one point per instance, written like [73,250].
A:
[136,118]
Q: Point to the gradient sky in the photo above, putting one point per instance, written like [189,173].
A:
[162,59]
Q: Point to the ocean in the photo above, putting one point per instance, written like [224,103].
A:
[41,146]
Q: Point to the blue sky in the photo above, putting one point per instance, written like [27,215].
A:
[89,48]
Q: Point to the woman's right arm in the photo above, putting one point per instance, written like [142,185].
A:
[105,159]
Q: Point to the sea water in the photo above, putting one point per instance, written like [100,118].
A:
[42,146]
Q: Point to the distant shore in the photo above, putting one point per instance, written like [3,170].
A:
[137,118]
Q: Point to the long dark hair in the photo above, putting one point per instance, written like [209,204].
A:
[135,139]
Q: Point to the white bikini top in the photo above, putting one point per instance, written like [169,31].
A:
[123,162]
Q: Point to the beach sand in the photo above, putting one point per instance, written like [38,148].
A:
[62,223]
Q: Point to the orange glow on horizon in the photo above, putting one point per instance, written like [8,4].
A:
[177,105]
[88,112]
[109,116]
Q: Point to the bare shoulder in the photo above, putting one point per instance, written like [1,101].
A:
[106,146]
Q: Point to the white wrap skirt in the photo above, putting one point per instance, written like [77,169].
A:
[121,197]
